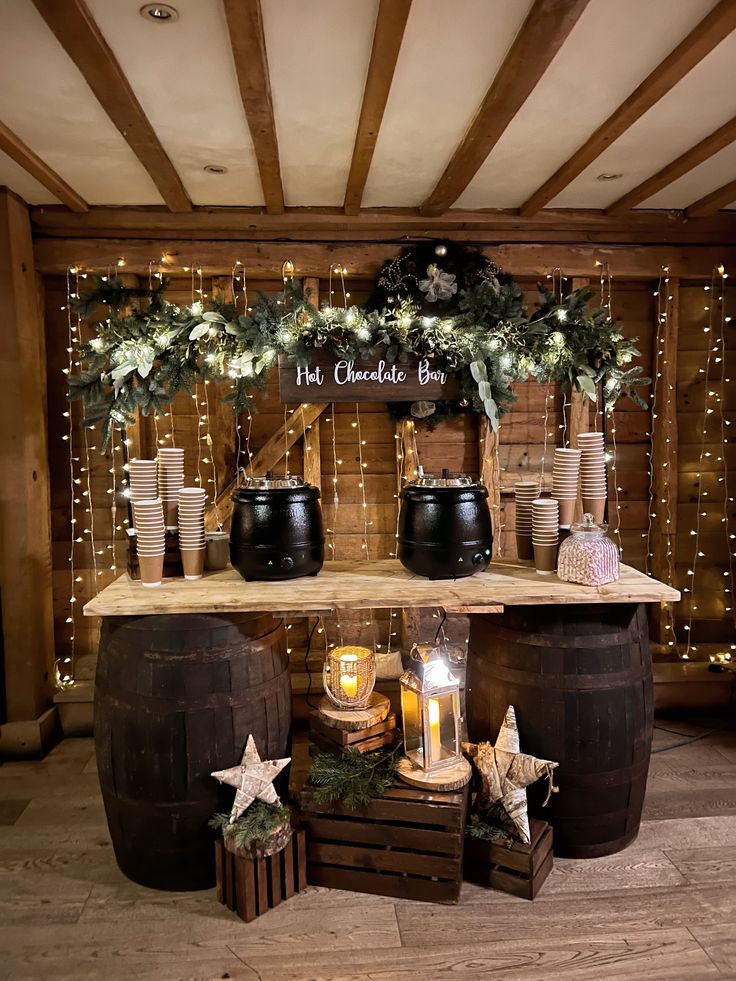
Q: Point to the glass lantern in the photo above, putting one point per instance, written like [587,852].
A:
[430,706]
[349,675]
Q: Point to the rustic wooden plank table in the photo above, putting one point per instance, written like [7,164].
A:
[370,585]
[573,659]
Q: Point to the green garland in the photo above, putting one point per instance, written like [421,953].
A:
[254,826]
[352,777]
[146,349]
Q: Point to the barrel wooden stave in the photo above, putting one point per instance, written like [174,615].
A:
[176,698]
[580,680]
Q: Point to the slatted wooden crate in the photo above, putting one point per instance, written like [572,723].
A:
[407,843]
[327,739]
[251,886]
[519,870]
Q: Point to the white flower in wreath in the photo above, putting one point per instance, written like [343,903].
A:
[438,285]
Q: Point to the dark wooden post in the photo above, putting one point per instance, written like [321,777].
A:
[25,526]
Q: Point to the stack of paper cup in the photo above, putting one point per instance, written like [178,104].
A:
[545,534]
[191,530]
[143,480]
[148,517]
[593,478]
[170,480]
[525,492]
[565,478]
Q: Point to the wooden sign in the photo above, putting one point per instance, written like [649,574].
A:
[328,378]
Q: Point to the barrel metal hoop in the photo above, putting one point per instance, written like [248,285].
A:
[577,682]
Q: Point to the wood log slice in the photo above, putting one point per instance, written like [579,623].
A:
[352,720]
[448,778]
[274,843]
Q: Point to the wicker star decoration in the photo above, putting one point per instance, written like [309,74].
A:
[252,779]
[506,772]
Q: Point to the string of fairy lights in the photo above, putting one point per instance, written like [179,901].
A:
[715,355]
[714,429]
[666,390]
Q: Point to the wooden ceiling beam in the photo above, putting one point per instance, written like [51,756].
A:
[387,38]
[687,161]
[248,43]
[541,36]
[700,42]
[384,225]
[22,154]
[54,255]
[75,29]
[713,202]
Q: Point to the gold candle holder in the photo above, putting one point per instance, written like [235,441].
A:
[349,675]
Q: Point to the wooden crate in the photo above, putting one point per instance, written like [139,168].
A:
[407,843]
[327,739]
[519,870]
[251,886]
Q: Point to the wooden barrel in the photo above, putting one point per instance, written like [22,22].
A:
[580,679]
[176,698]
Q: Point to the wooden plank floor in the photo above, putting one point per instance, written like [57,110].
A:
[664,908]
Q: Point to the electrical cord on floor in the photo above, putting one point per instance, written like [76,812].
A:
[685,741]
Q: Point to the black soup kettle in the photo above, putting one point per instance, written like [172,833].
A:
[277,530]
[445,526]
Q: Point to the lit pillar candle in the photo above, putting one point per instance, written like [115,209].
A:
[433,713]
[349,682]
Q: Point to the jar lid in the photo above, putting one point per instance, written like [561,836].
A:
[589,527]
[445,479]
[269,481]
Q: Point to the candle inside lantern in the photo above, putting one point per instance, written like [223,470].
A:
[433,713]
[349,682]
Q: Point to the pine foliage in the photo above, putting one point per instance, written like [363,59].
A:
[254,826]
[146,349]
[353,778]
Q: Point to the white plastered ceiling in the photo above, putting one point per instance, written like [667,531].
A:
[318,51]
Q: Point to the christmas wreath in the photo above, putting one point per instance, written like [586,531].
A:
[440,301]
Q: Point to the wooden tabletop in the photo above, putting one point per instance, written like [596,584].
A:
[370,585]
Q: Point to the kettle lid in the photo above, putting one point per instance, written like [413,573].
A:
[443,479]
[270,481]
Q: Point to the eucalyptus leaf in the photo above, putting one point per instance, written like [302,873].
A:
[198,331]
[213,317]
[587,386]
[492,412]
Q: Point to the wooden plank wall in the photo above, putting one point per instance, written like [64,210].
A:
[454,444]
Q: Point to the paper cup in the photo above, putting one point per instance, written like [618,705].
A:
[151,569]
[567,509]
[595,506]
[524,547]
[193,562]
[545,559]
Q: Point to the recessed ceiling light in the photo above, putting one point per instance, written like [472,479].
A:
[215,169]
[609,177]
[159,13]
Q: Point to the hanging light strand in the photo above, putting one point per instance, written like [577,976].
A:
[724,423]
[695,533]
[612,422]
[64,666]
[361,482]
[89,507]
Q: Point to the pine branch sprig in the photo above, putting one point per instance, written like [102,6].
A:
[255,826]
[353,778]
